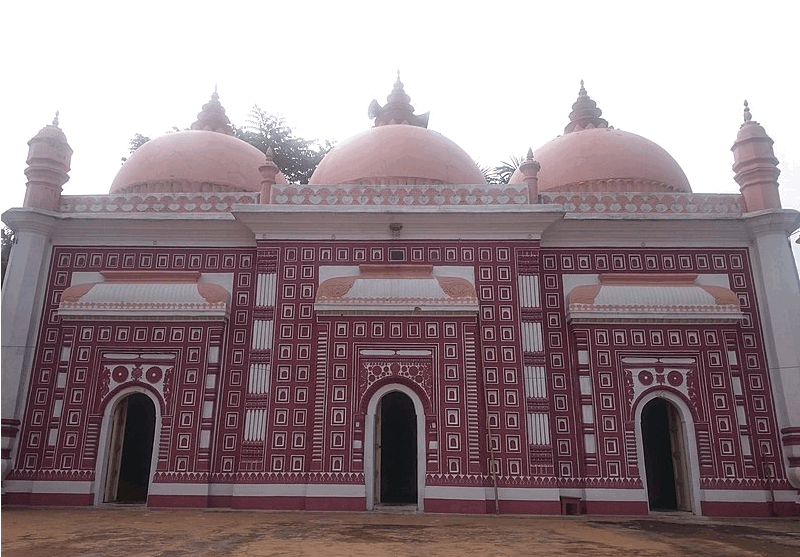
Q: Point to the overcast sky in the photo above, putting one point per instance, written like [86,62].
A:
[498,77]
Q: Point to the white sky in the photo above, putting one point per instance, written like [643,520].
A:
[498,77]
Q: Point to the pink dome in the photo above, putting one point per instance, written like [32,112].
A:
[592,157]
[192,161]
[399,150]
[397,154]
[605,159]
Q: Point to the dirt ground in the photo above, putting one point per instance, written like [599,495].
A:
[134,530]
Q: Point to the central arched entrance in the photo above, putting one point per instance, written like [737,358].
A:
[396,450]
[131,449]
[664,457]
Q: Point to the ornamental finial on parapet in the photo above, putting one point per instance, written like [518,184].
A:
[269,174]
[530,175]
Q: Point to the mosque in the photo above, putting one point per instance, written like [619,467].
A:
[592,337]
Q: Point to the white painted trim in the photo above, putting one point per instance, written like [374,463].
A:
[371,222]
[286,490]
[369,443]
[524,494]
[534,494]
[218,490]
[689,441]
[460,493]
[178,489]
[748,495]
[333,490]
[620,494]
[101,465]
[47,486]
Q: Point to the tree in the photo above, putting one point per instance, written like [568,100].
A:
[502,173]
[136,141]
[8,240]
[507,168]
[296,157]
[489,173]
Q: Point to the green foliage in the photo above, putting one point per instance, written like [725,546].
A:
[8,239]
[137,141]
[502,173]
[489,174]
[507,168]
[296,157]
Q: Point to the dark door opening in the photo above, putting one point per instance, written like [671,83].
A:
[131,450]
[662,440]
[398,450]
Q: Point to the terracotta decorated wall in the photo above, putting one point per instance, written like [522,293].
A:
[278,393]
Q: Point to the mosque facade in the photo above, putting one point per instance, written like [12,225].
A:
[592,337]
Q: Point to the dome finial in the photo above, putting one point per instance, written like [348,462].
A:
[585,113]
[55,120]
[397,110]
[747,115]
[212,117]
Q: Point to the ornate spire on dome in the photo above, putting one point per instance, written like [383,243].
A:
[747,115]
[585,114]
[55,120]
[397,110]
[212,117]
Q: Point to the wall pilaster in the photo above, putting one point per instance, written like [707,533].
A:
[23,288]
[776,279]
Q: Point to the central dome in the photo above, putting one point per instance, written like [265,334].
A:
[206,158]
[399,150]
[592,157]
[397,154]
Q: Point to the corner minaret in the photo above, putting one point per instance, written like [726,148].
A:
[269,173]
[49,157]
[530,170]
[212,117]
[755,166]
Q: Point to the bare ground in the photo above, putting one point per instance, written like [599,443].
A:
[133,530]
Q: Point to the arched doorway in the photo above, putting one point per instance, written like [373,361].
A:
[664,457]
[396,450]
[131,449]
